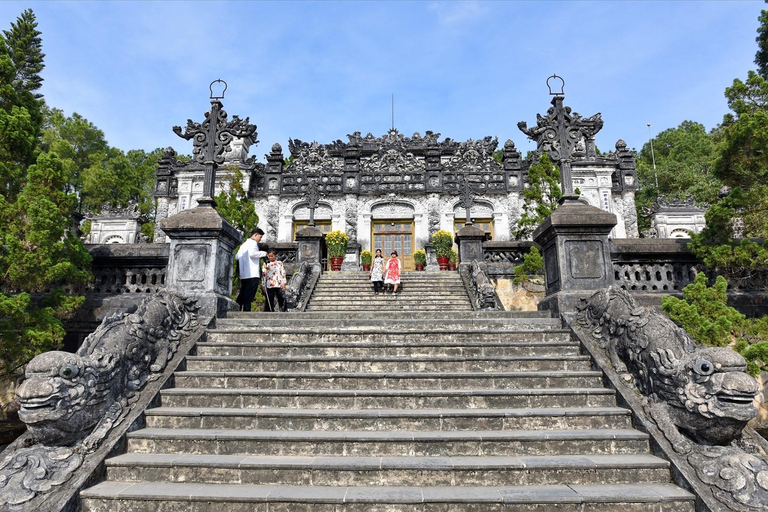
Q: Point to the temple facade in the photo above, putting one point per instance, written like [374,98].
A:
[392,192]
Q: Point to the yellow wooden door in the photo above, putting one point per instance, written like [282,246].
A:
[397,236]
[322,225]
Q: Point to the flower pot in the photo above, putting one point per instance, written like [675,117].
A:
[336,263]
[419,266]
[451,266]
[443,262]
[366,267]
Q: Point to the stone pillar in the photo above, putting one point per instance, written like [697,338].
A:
[310,240]
[577,254]
[351,258]
[470,241]
[432,265]
[200,259]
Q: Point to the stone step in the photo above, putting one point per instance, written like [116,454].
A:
[433,317]
[441,343]
[152,497]
[388,398]
[416,301]
[407,274]
[389,471]
[389,419]
[388,364]
[393,380]
[388,444]
[378,325]
[230,344]
[392,307]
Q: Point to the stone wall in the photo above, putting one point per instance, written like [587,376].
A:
[519,297]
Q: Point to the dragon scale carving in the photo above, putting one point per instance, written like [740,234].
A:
[71,402]
[701,398]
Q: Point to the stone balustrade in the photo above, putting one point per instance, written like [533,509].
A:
[127,268]
[653,265]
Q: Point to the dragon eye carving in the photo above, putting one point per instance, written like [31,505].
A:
[703,367]
[68,371]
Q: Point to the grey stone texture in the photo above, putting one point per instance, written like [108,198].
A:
[368,407]
[200,259]
[577,253]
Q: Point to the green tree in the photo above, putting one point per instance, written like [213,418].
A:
[685,158]
[40,255]
[79,144]
[540,198]
[21,61]
[761,57]
[233,204]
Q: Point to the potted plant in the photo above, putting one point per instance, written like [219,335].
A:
[336,241]
[366,258]
[453,257]
[442,241]
[420,258]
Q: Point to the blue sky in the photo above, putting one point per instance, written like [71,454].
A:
[321,70]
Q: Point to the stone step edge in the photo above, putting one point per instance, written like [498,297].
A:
[382,393]
[385,359]
[438,463]
[390,413]
[377,436]
[416,344]
[257,329]
[394,375]
[543,494]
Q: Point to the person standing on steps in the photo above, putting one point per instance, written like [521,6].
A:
[393,268]
[274,282]
[377,272]
[248,259]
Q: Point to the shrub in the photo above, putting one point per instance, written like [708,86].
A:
[420,257]
[453,256]
[366,257]
[703,312]
[442,241]
[336,241]
[533,264]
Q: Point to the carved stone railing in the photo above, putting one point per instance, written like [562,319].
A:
[300,287]
[653,265]
[128,268]
[285,252]
[501,258]
[481,291]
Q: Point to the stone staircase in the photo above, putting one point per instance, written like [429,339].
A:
[421,291]
[385,405]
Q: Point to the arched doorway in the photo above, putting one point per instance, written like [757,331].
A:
[392,229]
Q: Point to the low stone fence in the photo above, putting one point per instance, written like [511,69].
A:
[653,265]
[127,268]
[501,258]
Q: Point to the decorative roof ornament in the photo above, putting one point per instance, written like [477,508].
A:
[211,138]
[559,134]
[557,83]
[313,196]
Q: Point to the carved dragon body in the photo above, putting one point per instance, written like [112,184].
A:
[706,390]
[700,398]
[65,395]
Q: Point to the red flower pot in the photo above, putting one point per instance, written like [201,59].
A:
[419,267]
[336,263]
[443,262]
[366,267]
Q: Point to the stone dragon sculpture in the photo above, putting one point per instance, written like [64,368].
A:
[701,398]
[70,402]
